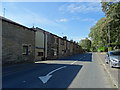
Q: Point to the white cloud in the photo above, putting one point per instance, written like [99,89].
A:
[81,7]
[76,38]
[88,19]
[62,20]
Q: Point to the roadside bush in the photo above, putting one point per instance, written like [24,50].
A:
[110,49]
[101,49]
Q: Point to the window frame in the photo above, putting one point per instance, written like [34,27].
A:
[25,49]
[40,53]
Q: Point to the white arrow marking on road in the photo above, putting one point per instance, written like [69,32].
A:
[73,62]
[45,79]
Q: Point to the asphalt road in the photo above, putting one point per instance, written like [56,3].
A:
[79,71]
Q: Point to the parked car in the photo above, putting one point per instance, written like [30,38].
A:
[113,58]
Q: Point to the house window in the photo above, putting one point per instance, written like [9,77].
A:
[40,53]
[25,50]
[62,51]
[62,42]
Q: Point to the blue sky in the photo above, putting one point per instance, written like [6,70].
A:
[71,19]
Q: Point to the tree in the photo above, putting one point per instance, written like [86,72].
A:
[85,44]
[98,34]
[107,29]
[112,12]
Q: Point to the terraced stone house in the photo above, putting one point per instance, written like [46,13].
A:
[18,42]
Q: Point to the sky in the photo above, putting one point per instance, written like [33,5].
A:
[71,19]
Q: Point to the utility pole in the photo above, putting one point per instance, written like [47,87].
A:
[109,34]
[4,12]
[62,34]
[33,25]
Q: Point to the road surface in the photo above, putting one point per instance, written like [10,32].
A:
[113,72]
[79,71]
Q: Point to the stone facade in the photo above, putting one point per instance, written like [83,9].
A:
[40,44]
[58,47]
[52,46]
[18,43]
[23,44]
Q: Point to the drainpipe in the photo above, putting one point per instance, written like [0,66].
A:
[44,45]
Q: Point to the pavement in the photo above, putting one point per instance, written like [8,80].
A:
[113,72]
[78,71]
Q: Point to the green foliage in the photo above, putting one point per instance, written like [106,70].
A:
[85,44]
[106,27]
[98,34]
[110,49]
[112,11]
[102,49]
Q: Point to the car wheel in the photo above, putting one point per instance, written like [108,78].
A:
[106,62]
[111,65]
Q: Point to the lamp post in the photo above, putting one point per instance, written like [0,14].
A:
[109,34]
[4,12]
[109,39]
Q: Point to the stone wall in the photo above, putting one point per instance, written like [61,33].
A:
[14,37]
[51,46]
[17,39]
[39,44]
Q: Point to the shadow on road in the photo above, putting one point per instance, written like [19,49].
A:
[80,57]
[26,75]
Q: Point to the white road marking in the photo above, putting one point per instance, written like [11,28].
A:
[45,78]
[77,60]
[56,70]
[73,62]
